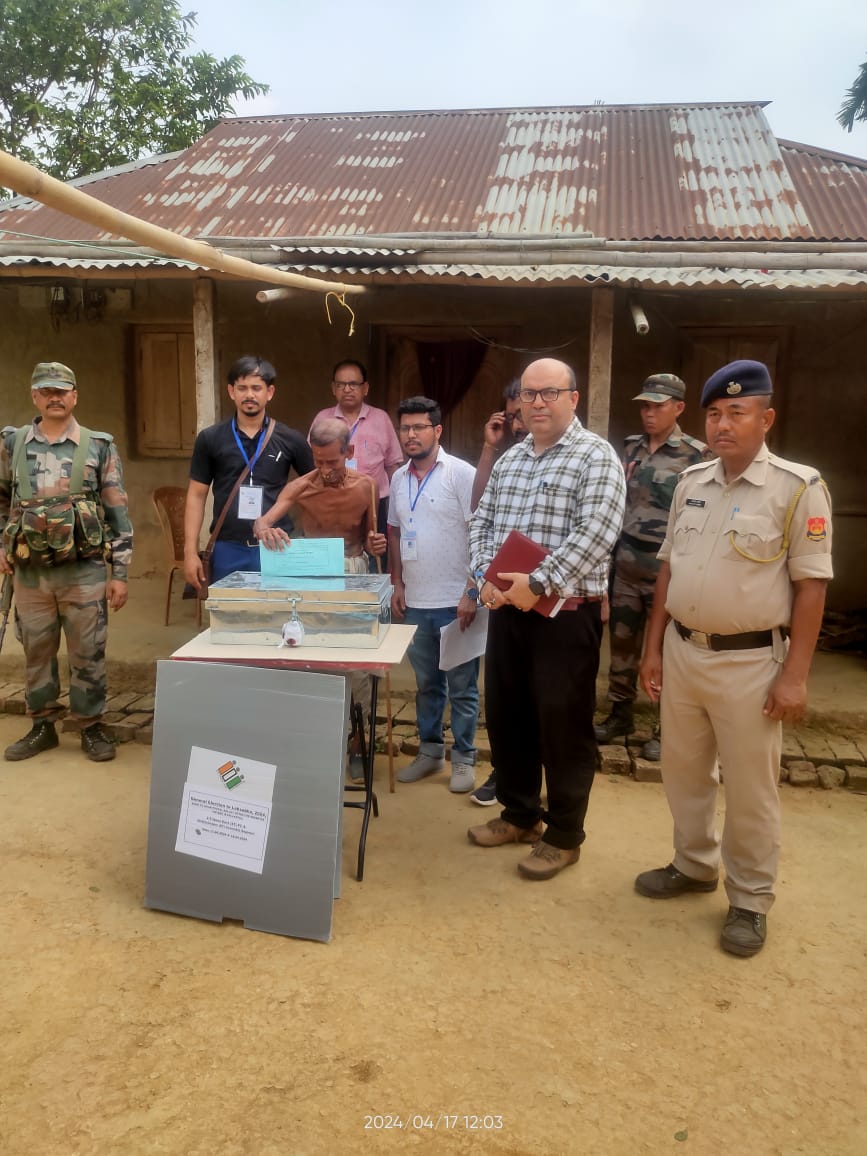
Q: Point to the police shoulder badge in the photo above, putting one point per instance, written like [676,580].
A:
[816,531]
[733,388]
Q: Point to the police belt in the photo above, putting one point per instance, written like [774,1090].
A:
[641,546]
[750,640]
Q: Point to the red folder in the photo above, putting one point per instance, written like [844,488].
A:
[521,555]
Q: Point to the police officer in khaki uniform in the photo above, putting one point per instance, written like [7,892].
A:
[745,563]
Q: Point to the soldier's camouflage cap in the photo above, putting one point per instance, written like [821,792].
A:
[737,379]
[662,387]
[52,375]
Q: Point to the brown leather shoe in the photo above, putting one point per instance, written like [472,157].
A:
[498,832]
[546,861]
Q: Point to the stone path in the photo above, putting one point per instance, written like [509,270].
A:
[809,758]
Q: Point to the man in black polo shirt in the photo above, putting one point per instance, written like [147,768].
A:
[220,454]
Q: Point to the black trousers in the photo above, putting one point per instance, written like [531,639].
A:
[540,690]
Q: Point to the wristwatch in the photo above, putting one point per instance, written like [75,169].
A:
[536,587]
[472,593]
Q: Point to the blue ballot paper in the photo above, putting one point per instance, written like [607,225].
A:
[303,557]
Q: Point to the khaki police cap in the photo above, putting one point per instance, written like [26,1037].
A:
[52,375]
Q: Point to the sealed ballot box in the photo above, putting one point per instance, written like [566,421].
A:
[253,609]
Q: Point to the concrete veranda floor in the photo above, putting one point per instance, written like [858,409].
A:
[138,638]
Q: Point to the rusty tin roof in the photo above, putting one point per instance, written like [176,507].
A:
[657,172]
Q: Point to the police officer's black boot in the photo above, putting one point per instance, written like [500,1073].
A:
[41,737]
[619,723]
[652,749]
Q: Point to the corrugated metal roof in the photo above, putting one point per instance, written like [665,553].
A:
[831,187]
[711,171]
[9,262]
[630,276]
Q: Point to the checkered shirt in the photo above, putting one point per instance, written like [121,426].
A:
[570,499]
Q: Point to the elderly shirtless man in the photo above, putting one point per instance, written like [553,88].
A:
[333,501]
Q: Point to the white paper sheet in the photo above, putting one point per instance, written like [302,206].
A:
[457,646]
[226,809]
[224,829]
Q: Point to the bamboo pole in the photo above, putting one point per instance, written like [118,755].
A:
[32,182]
[374,521]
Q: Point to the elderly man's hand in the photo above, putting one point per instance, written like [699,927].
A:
[271,537]
[376,543]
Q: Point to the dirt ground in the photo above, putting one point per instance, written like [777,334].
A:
[487,1013]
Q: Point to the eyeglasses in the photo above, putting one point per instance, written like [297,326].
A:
[349,384]
[528,396]
[414,429]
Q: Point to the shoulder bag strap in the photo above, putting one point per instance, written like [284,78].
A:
[218,525]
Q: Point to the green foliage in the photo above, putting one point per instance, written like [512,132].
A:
[854,107]
[88,84]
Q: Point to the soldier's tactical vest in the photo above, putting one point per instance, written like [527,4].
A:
[51,531]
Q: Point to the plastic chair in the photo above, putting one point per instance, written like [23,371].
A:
[169,502]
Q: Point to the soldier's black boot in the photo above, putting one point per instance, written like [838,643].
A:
[96,744]
[41,737]
[619,723]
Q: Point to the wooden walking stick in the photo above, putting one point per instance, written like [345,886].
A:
[388,725]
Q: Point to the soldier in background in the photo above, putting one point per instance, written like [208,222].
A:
[63,510]
[652,461]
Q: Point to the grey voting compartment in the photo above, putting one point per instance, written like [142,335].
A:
[246,795]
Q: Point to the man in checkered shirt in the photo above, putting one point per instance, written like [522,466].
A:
[564,488]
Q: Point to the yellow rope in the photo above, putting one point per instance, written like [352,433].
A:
[341,300]
[790,513]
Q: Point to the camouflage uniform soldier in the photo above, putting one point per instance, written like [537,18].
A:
[63,510]
[652,462]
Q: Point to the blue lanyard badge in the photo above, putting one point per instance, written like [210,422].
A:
[421,486]
[352,463]
[250,463]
